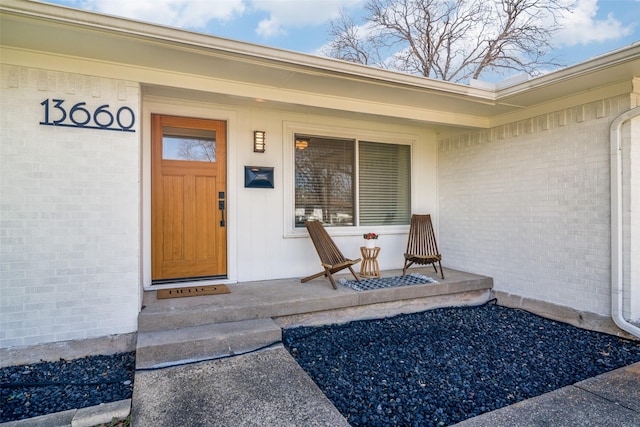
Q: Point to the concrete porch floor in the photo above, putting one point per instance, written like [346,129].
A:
[292,302]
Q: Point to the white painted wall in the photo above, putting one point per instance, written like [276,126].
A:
[528,204]
[262,242]
[69,206]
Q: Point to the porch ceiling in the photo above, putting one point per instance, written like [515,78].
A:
[244,72]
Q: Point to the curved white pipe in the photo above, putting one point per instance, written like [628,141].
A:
[615,138]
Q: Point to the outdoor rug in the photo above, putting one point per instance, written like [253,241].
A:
[387,282]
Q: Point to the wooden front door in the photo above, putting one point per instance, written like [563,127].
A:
[188,198]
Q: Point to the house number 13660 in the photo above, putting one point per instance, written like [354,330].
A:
[79,116]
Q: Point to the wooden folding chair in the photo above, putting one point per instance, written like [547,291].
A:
[330,256]
[422,248]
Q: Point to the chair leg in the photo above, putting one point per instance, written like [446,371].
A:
[441,270]
[406,266]
[354,274]
[306,279]
[331,279]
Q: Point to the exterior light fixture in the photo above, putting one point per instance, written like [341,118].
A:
[258,141]
[301,144]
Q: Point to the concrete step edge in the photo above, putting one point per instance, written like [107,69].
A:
[156,318]
[204,341]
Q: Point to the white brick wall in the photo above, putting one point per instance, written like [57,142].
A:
[69,212]
[528,204]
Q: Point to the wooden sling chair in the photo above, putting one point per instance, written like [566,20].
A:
[422,247]
[330,256]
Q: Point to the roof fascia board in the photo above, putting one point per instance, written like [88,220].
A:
[241,51]
[265,94]
[601,63]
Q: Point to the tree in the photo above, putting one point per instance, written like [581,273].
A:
[453,40]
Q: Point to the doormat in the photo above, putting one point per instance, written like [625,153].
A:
[192,291]
[387,282]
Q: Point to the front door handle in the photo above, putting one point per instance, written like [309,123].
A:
[221,207]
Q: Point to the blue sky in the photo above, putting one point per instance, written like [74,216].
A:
[597,26]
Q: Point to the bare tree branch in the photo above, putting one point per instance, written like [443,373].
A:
[454,40]
[352,43]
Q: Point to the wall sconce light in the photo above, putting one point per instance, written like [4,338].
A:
[258,141]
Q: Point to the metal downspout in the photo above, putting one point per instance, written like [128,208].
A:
[615,138]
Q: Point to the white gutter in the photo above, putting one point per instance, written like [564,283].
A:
[616,222]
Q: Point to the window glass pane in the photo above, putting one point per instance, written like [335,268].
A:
[324,180]
[385,184]
[197,145]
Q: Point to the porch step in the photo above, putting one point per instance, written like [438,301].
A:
[162,348]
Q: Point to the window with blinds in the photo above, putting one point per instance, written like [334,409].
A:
[326,186]
[385,184]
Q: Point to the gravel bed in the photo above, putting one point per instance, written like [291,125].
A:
[434,368]
[443,366]
[44,388]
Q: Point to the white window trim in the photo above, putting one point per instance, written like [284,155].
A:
[357,134]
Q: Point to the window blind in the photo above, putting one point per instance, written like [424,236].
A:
[385,183]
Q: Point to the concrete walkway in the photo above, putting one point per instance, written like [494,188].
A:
[610,399]
[269,389]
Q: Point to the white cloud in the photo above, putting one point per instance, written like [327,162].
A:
[194,14]
[582,26]
[269,28]
[197,14]
[285,14]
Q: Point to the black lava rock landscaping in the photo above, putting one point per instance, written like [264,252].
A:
[31,390]
[443,366]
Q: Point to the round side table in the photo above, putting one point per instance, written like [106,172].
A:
[369,268]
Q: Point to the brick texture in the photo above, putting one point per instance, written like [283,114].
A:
[528,203]
[69,206]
